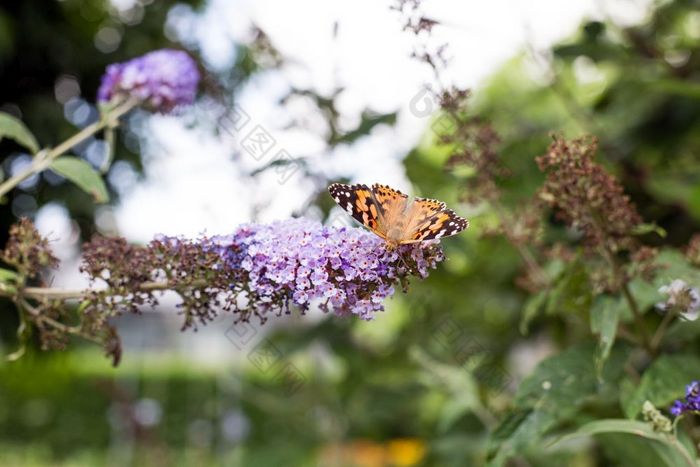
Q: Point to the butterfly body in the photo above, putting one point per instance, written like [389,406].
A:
[390,215]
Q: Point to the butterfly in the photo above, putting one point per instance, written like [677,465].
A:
[389,214]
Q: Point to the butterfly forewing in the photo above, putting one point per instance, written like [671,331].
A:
[360,203]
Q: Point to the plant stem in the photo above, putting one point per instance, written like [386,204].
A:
[42,160]
[609,255]
[524,252]
[629,298]
[638,318]
[55,324]
[661,330]
[626,334]
[67,294]
[50,293]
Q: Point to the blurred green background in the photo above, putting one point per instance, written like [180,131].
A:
[395,391]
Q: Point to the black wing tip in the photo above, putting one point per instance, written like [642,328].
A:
[461,222]
[338,187]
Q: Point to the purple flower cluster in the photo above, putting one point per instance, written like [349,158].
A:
[162,80]
[692,400]
[300,262]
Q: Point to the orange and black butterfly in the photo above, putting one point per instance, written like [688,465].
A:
[389,214]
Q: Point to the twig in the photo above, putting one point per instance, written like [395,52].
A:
[661,330]
[43,159]
[610,257]
[39,316]
[525,253]
[638,319]
[49,293]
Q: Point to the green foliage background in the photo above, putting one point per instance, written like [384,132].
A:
[402,376]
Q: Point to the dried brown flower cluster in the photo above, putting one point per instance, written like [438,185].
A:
[414,21]
[475,144]
[586,197]
[133,273]
[29,254]
[27,251]
[643,263]
[120,266]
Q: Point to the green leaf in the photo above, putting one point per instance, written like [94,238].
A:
[605,316]
[17,354]
[532,308]
[677,87]
[554,392]
[13,128]
[571,294]
[675,266]
[459,383]
[8,281]
[646,294]
[663,382]
[669,449]
[613,425]
[556,298]
[7,275]
[623,449]
[23,333]
[643,229]
[82,174]
[682,331]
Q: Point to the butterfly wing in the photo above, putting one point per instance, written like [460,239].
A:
[392,205]
[360,203]
[429,220]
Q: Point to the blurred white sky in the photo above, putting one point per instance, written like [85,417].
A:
[194,184]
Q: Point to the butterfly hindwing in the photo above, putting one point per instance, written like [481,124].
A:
[359,202]
[441,224]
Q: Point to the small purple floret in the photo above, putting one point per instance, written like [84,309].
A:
[162,80]
[692,400]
